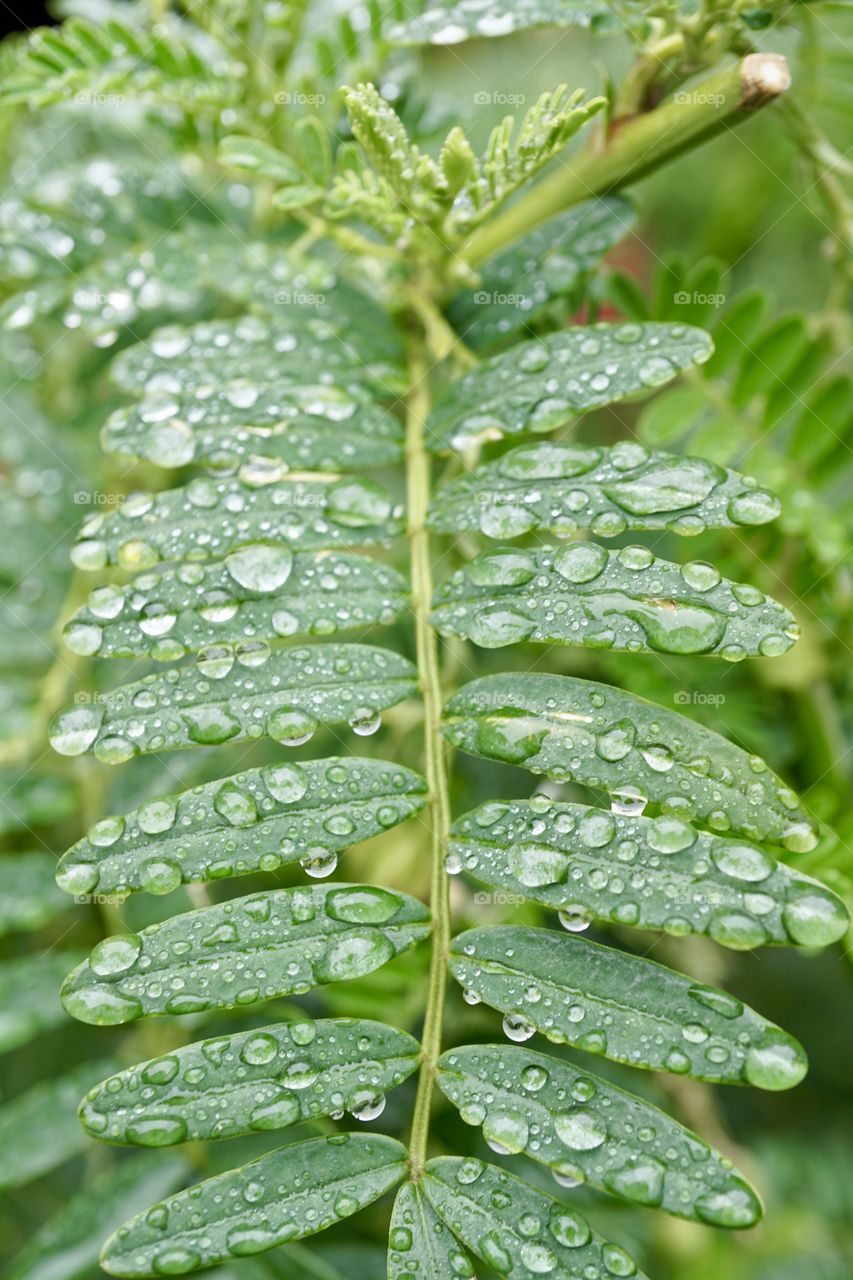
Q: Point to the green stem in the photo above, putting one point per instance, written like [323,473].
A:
[418,489]
[637,147]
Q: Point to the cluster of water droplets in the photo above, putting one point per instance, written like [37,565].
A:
[562,487]
[259,592]
[209,518]
[537,386]
[622,1007]
[627,599]
[286,1194]
[284,694]
[578,730]
[656,873]
[309,338]
[515,1228]
[265,1079]
[586,1131]
[258,820]
[243,951]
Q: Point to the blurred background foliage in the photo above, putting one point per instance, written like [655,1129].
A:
[740,236]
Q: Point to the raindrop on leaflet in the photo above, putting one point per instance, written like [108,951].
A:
[517,1028]
[290,726]
[627,802]
[574,918]
[366,1106]
[506,1132]
[580,1130]
[319,863]
[365,722]
[75,729]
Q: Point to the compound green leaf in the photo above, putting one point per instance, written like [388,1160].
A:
[540,385]
[518,1231]
[206,519]
[583,594]
[420,1244]
[600,736]
[622,1006]
[253,1081]
[322,329]
[67,1246]
[28,894]
[654,873]
[561,487]
[238,953]
[29,996]
[254,821]
[549,264]
[174,63]
[285,1195]
[586,1130]
[285,694]
[302,426]
[453,23]
[39,1129]
[260,590]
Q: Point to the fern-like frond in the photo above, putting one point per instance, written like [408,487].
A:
[169,64]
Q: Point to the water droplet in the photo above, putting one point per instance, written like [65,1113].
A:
[262,567]
[517,1028]
[580,1130]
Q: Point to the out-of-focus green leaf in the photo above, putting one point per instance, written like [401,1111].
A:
[28,894]
[538,386]
[68,1245]
[459,20]
[39,1129]
[29,995]
[284,694]
[166,615]
[548,264]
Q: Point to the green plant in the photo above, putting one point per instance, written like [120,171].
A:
[292,308]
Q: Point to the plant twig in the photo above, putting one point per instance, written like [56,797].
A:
[639,146]
[418,485]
